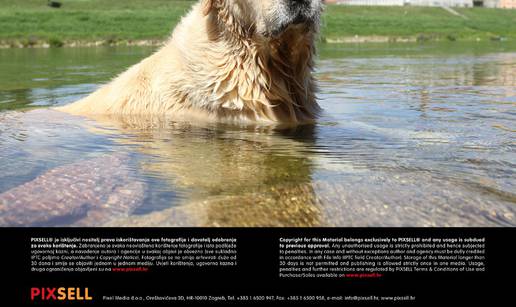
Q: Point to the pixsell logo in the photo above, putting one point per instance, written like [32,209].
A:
[60,294]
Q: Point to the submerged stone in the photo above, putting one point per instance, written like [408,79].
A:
[85,193]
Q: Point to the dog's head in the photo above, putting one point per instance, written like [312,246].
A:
[269,18]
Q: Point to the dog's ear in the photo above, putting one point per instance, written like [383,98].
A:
[207,6]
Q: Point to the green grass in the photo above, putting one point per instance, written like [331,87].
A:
[29,22]
[432,23]
[89,20]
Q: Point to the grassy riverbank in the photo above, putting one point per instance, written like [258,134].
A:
[92,22]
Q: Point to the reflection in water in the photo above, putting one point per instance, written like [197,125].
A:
[410,137]
[243,173]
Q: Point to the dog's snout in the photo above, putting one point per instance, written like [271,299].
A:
[302,10]
[300,2]
[303,5]
[294,12]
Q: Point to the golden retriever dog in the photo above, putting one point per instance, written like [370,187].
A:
[227,60]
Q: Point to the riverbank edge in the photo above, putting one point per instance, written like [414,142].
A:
[35,43]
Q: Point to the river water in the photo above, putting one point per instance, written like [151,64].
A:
[411,135]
